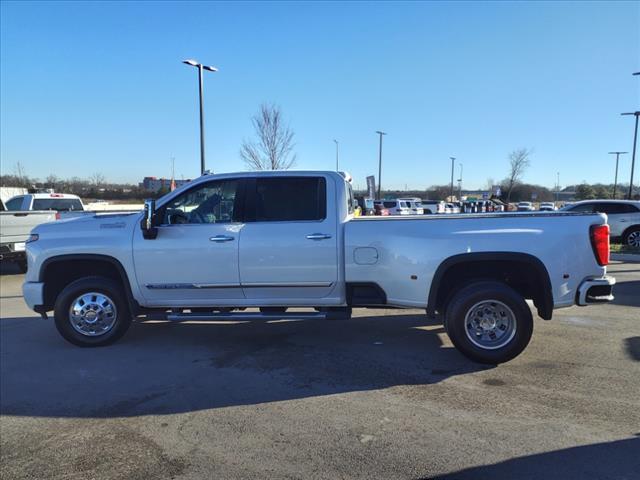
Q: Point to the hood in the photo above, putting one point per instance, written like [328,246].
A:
[77,226]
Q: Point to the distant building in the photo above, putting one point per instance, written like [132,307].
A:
[153,184]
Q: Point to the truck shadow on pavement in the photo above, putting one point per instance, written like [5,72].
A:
[164,368]
[627,293]
[613,460]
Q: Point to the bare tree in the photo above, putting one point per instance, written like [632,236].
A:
[97,179]
[273,148]
[518,163]
[52,181]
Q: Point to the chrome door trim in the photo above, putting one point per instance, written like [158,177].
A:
[286,284]
[181,286]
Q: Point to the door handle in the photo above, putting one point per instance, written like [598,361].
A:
[221,238]
[318,236]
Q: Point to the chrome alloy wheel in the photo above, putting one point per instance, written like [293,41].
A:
[633,239]
[93,314]
[490,324]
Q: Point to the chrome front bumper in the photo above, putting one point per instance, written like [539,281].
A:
[595,290]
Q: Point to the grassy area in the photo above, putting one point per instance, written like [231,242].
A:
[618,248]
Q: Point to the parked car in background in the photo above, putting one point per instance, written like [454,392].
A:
[547,207]
[65,204]
[397,207]
[451,208]
[432,206]
[414,204]
[15,227]
[525,207]
[623,217]
[380,209]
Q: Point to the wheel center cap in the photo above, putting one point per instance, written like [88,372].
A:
[488,324]
[90,316]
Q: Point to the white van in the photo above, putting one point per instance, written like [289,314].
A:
[399,206]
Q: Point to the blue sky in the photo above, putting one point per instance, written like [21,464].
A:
[99,87]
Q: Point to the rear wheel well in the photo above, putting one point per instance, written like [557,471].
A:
[526,275]
[58,273]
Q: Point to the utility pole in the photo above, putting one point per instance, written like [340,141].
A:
[336,142]
[615,182]
[201,67]
[460,184]
[453,159]
[633,155]
[381,133]
[557,186]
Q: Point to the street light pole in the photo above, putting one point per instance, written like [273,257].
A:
[557,186]
[633,155]
[201,67]
[460,184]
[615,182]
[336,141]
[453,159]
[380,163]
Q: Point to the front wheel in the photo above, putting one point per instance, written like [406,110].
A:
[92,311]
[489,322]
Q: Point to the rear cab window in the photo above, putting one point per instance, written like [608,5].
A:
[15,204]
[58,204]
[287,199]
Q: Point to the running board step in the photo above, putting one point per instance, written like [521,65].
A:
[330,315]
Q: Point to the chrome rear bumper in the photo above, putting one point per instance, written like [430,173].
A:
[595,290]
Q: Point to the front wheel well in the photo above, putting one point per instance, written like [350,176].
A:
[523,273]
[57,273]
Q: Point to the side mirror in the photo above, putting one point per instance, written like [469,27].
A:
[148,222]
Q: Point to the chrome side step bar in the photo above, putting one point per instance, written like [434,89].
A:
[181,317]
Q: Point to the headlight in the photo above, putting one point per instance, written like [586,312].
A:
[32,238]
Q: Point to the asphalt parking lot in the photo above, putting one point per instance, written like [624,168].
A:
[383,395]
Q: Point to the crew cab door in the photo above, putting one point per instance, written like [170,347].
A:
[193,260]
[288,246]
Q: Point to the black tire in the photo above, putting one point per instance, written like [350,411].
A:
[106,286]
[631,236]
[462,303]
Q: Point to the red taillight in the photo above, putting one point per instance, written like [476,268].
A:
[600,243]
[57,215]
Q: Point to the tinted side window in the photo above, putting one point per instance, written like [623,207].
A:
[58,204]
[389,204]
[15,203]
[289,199]
[212,202]
[584,208]
[615,208]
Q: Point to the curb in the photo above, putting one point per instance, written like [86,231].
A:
[626,257]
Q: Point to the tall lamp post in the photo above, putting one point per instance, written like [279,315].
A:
[380,163]
[201,67]
[615,182]
[453,159]
[633,155]
[336,142]
[460,184]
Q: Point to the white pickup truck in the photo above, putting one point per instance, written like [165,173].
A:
[15,227]
[276,240]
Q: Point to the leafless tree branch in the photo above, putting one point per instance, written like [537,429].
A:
[274,146]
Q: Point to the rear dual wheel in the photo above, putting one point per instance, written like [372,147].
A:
[489,322]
